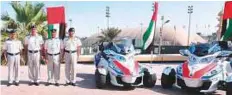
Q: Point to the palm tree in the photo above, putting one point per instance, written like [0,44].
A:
[109,34]
[26,15]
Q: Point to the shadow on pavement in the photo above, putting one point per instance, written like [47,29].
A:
[5,82]
[176,91]
[88,81]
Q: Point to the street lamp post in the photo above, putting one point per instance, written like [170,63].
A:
[141,26]
[174,38]
[98,30]
[190,11]
[161,31]
[70,22]
[107,15]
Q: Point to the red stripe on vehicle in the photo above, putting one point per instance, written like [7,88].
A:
[185,70]
[197,74]
[200,73]
[125,70]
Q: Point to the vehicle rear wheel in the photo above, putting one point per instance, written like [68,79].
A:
[229,88]
[149,80]
[168,80]
[100,79]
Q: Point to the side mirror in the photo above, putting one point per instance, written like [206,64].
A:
[133,42]
[137,51]
[184,52]
[101,47]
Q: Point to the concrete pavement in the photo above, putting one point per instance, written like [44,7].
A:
[85,84]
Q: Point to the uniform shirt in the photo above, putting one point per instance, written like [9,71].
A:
[71,44]
[34,42]
[53,45]
[12,46]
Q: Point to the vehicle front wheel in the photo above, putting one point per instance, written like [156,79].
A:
[128,87]
[229,88]
[168,80]
[100,79]
[149,80]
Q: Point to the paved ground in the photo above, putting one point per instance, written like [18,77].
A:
[86,84]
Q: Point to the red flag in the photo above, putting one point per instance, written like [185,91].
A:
[55,15]
[228,10]
[154,17]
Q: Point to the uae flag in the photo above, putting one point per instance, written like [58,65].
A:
[148,36]
[56,20]
[226,33]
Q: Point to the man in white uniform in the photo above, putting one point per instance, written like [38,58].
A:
[33,45]
[12,48]
[53,48]
[72,46]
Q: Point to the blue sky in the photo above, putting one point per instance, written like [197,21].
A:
[88,15]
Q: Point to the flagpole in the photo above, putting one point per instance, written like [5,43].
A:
[155,9]
[220,23]
[153,43]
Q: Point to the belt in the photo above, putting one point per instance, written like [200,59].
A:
[33,51]
[70,51]
[53,54]
[12,54]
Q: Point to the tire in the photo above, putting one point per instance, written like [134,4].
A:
[100,80]
[168,80]
[128,87]
[229,88]
[149,80]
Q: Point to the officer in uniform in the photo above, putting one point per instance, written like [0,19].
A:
[71,54]
[53,48]
[33,44]
[12,48]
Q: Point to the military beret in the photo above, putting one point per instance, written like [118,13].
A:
[71,30]
[33,26]
[53,30]
[11,30]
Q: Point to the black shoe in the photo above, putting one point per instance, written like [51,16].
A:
[37,84]
[9,84]
[47,84]
[31,83]
[69,83]
[56,84]
[16,84]
[73,84]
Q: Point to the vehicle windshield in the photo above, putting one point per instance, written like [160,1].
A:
[204,49]
[123,46]
[199,49]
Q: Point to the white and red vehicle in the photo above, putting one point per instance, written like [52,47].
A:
[115,65]
[208,68]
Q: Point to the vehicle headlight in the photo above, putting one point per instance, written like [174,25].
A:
[120,58]
[206,60]
[192,59]
[179,69]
